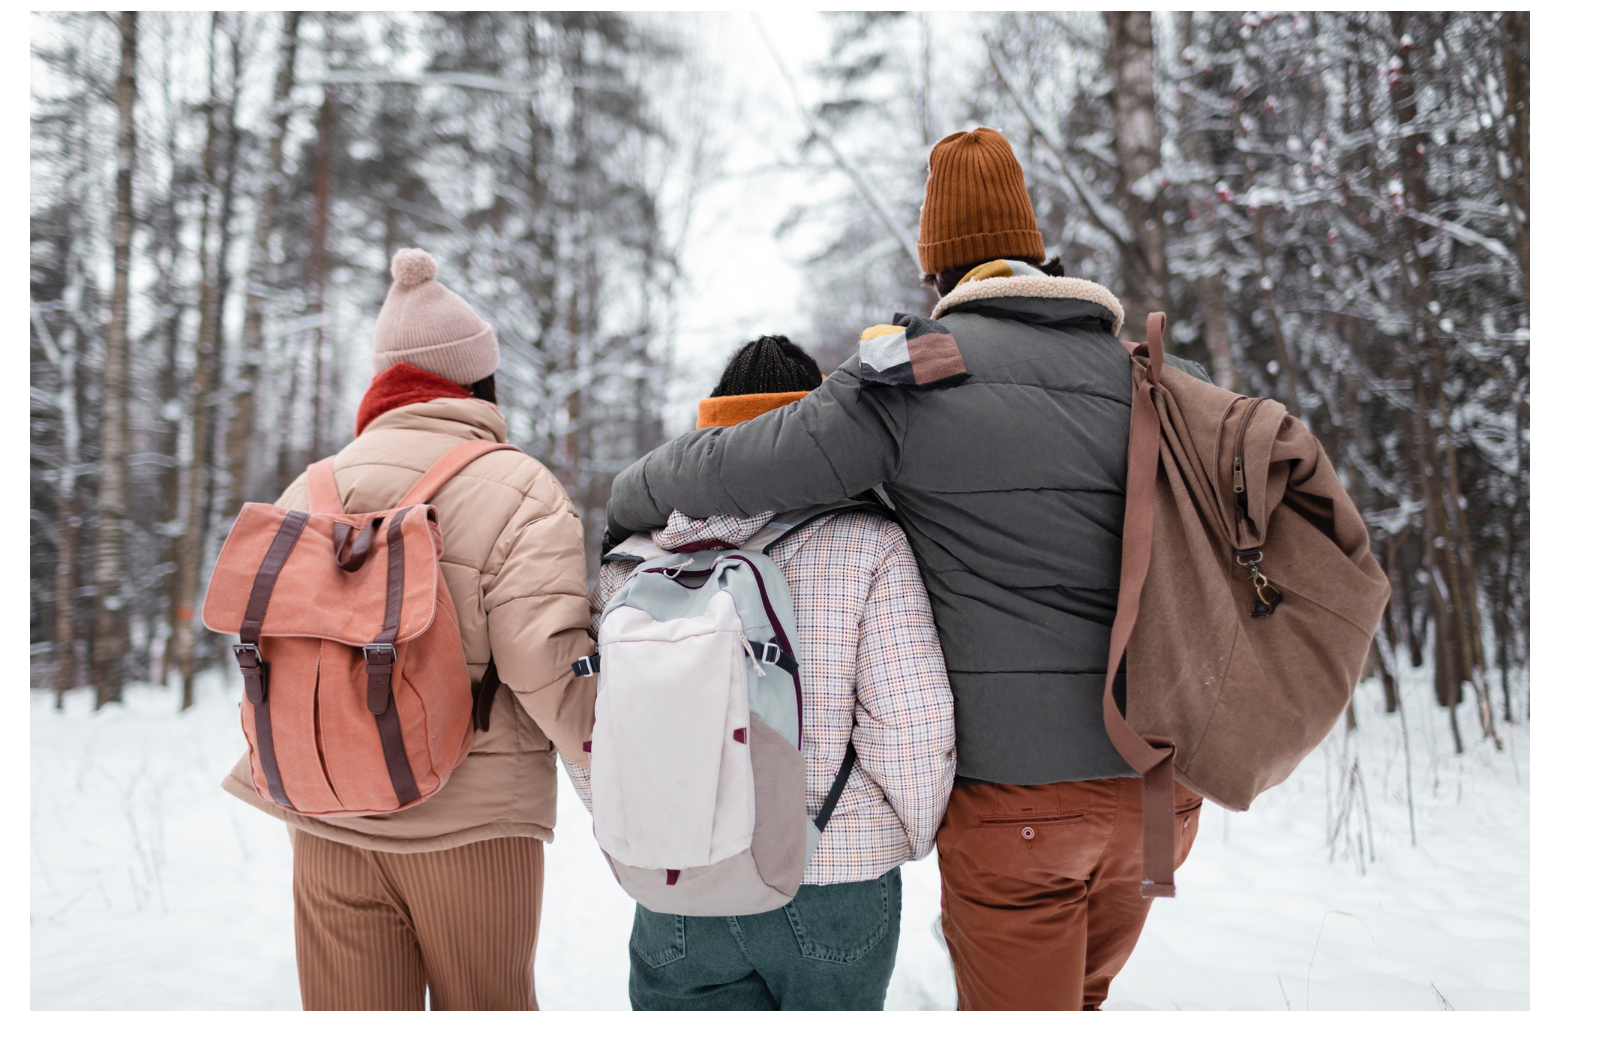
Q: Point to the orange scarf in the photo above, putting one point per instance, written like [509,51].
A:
[726,410]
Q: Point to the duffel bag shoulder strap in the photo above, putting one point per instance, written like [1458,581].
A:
[1153,757]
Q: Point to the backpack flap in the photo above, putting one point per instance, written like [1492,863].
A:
[335,578]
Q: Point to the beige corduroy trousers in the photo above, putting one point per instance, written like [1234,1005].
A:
[377,930]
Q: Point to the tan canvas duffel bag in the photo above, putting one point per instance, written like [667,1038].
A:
[1248,597]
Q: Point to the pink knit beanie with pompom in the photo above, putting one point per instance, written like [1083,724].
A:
[424,324]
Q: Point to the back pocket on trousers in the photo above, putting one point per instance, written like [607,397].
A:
[842,922]
[658,938]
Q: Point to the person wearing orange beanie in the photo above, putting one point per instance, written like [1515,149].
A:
[997,427]
[976,207]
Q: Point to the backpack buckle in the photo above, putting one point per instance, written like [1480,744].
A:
[385,653]
[770,653]
[253,669]
[588,666]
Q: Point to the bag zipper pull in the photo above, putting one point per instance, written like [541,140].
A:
[1236,475]
[753,657]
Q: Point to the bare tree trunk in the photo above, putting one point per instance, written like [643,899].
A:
[167,236]
[64,649]
[1209,286]
[1448,494]
[111,625]
[207,361]
[287,455]
[1137,147]
[1448,652]
[1516,78]
[66,584]
[241,427]
[320,266]
[1261,252]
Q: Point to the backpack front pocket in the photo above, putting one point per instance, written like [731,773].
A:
[673,784]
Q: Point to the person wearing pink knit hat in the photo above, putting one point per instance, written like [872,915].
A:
[429,343]
[424,324]
[440,902]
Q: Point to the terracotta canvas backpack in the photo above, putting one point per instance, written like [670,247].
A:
[357,698]
[1248,597]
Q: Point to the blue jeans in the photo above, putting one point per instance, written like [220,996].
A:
[831,947]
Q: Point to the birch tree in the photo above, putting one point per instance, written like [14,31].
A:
[111,630]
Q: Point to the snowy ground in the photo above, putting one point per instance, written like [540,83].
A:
[152,889]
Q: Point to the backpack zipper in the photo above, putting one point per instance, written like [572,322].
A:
[781,638]
[1267,596]
[1238,483]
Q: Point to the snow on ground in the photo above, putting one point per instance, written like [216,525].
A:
[152,889]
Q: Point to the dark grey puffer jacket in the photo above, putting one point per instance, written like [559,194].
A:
[1010,484]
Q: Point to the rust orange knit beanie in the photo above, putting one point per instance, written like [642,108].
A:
[976,206]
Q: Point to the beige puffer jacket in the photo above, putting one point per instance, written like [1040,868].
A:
[513,560]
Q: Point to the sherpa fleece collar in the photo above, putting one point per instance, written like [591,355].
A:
[1003,278]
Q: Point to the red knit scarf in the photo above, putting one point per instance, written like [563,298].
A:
[400,385]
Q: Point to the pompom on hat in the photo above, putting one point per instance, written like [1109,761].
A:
[425,325]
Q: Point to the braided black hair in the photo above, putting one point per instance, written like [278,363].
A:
[769,364]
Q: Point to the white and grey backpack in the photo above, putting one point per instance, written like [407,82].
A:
[697,770]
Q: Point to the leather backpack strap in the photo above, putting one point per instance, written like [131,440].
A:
[381,656]
[323,488]
[1151,756]
[482,696]
[247,651]
[453,461]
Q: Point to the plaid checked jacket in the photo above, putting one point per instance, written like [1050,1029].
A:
[872,669]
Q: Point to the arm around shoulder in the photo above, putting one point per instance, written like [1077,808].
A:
[841,439]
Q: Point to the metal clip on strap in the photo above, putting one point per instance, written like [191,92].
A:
[588,666]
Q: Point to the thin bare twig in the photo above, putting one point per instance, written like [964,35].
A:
[1106,215]
[878,207]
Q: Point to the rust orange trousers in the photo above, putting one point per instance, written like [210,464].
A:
[1042,888]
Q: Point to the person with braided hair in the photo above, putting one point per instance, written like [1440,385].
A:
[872,675]
[768,365]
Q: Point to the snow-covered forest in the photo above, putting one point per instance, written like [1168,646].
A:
[1334,209]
